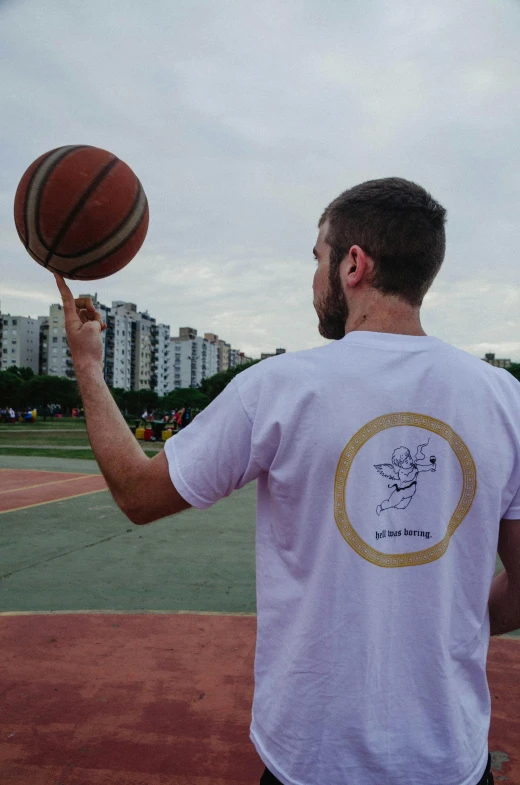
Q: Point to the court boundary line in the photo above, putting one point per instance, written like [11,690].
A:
[44,471]
[79,476]
[53,501]
[145,612]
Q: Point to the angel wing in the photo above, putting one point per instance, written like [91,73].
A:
[387,470]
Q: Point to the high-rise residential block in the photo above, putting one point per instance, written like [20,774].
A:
[119,367]
[191,360]
[19,341]
[130,353]
[223,350]
[161,346]
[138,353]
[236,357]
[55,357]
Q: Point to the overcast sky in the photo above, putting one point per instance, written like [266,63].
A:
[243,120]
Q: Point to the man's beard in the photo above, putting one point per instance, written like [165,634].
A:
[333,310]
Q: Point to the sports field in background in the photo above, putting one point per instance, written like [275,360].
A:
[129,650]
[52,438]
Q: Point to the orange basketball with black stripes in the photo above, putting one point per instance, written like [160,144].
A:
[81,211]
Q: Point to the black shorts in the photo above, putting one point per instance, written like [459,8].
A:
[487,779]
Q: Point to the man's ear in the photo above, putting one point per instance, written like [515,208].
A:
[357,267]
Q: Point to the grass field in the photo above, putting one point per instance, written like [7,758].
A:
[51,439]
[61,422]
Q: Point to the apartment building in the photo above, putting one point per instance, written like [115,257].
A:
[498,363]
[19,341]
[264,356]
[236,357]
[223,350]
[119,366]
[55,357]
[144,352]
[226,356]
[130,347]
[138,353]
[161,345]
[192,359]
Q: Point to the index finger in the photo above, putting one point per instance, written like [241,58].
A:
[69,305]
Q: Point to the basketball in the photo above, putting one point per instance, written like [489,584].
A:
[81,211]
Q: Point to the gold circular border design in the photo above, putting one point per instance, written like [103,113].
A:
[469,488]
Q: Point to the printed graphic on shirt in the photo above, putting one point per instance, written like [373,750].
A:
[405,470]
[410,520]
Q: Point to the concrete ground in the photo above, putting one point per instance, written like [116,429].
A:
[99,691]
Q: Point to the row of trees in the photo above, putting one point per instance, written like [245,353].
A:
[21,388]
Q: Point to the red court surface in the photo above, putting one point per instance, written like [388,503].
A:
[160,699]
[22,488]
[124,699]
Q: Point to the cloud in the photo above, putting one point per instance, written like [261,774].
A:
[243,121]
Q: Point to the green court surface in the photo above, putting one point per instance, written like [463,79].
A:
[84,554]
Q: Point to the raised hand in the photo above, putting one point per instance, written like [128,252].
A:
[83,325]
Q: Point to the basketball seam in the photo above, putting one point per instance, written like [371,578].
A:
[112,251]
[69,220]
[66,152]
[26,200]
[112,234]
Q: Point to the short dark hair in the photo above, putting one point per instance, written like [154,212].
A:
[399,225]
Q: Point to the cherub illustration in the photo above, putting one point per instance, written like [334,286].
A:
[405,470]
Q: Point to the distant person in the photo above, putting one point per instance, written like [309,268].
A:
[373,629]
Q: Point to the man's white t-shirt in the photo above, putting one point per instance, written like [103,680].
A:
[384,464]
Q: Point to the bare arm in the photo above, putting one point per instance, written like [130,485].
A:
[504,598]
[141,486]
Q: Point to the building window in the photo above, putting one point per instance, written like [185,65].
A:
[14,321]
[55,340]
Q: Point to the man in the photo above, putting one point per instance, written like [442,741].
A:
[372,629]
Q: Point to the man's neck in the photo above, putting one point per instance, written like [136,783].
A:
[384,314]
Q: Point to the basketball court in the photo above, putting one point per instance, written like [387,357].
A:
[128,651]
[22,488]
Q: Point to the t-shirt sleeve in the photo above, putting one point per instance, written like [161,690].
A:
[513,404]
[213,456]
[513,511]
